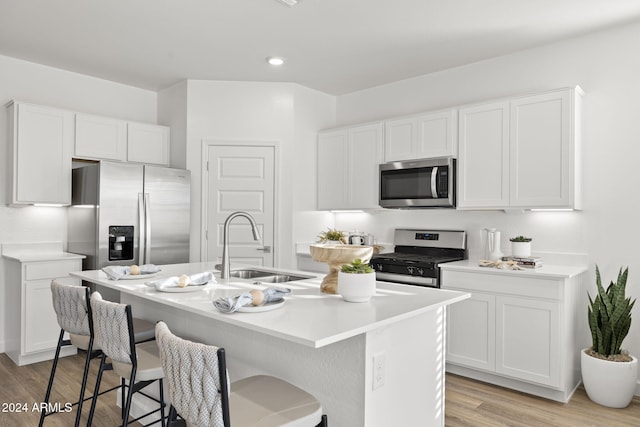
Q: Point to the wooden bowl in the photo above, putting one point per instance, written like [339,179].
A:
[337,256]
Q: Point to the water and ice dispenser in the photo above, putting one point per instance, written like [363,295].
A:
[120,242]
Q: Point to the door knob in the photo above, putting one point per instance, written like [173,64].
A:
[266,249]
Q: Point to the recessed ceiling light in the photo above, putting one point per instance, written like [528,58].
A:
[289,2]
[275,60]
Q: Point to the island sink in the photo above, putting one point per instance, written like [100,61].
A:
[267,276]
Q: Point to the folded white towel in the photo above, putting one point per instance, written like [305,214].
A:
[229,305]
[115,272]
[198,279]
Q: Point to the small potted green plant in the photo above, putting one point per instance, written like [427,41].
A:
[357,281]
[609,374]
[521,246]
[333,236]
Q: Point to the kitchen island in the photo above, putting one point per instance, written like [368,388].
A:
[370,364]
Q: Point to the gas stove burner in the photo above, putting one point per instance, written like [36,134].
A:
[417,254]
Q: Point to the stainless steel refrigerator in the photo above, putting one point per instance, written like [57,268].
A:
[124,214]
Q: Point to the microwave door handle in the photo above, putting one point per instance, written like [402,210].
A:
[434,182]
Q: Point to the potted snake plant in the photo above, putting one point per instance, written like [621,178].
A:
[357,281]
[609,374]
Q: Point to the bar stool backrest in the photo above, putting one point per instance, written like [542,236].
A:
[113,327]
[70,305]
[192,374]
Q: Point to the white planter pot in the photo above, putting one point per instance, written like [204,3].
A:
[356,287]
[609,383]
[521,249]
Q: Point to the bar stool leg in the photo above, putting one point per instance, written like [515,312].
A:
[96,390]
[87,363]
[43,413]
[163,420]
[125,412]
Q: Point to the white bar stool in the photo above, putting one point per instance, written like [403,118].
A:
[138,363]
[197,381]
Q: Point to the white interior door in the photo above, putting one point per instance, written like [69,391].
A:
[241,178]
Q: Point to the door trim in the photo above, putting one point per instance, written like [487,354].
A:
[204,196]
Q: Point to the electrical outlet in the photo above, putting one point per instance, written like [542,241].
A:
[379,370]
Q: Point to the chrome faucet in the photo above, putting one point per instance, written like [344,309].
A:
[225,267]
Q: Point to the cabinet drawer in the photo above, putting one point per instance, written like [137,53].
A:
[547,288]
[50,269]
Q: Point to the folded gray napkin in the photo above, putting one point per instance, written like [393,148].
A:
[229,305]
[199,279]
[115,272]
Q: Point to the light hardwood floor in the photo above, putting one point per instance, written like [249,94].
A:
[468,403]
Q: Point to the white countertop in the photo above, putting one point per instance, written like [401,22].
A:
[552,271]
[35,252]
[308,316]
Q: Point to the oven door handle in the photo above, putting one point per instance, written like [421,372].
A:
[407,280]
[434,182]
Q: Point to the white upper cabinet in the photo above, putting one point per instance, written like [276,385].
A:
[483,161]
[543,150]
[426,135]
[348,164]
[147,143]
[41,147]
[521,153]
[332,169]
[112,139]
[100,138]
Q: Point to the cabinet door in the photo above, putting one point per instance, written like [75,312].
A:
[42,142]
[483,160]
[436,134]
[471,332]
[332,170]
[528,339]
[148,144]
[541,150]
[400,138]
[41,329]
[364,157]
[100,137]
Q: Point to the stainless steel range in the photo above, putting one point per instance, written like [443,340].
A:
[417,254]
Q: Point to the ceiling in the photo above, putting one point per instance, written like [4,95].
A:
[335,46]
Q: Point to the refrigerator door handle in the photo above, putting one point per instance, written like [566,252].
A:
[147,232]
[141,229]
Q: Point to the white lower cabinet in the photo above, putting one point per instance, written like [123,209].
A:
[33,327]
[517,332]
[528,339]
[472,333]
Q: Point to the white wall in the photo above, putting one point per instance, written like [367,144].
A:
[605,66]
[42,85]
[286,113]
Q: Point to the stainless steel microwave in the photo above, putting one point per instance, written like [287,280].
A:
[424,183]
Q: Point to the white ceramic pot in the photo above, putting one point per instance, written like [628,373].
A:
[609,383]
[521,249]
[356,287]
